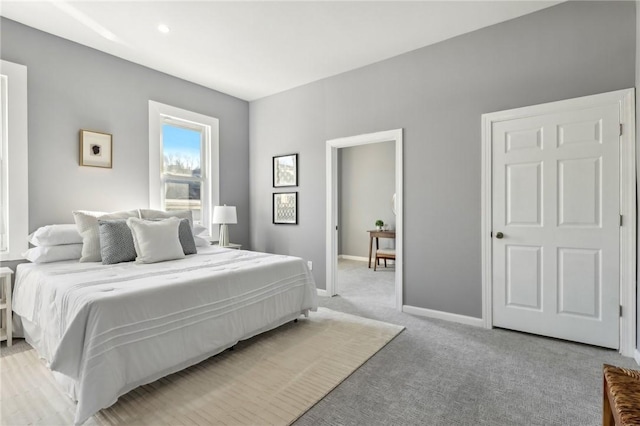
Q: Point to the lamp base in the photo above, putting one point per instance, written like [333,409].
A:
[224,236]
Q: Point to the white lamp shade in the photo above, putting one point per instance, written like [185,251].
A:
[225,214]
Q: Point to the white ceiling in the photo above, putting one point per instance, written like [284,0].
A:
[252,49]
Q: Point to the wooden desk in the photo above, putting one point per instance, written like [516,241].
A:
[378,234]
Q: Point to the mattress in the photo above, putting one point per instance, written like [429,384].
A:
[110,328]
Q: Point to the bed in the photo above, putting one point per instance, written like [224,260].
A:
[106,329]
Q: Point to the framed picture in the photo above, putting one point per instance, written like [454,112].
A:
[95,149]
[285,170]
[285,208]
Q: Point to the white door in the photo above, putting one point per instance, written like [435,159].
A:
[556,218]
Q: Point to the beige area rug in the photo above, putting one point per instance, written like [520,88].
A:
[270,379]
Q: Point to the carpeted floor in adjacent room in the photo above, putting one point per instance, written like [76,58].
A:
[442,373]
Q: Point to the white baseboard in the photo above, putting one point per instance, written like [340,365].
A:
[462,319]
[349,257]
[636,356]
[362,259]
[321,292]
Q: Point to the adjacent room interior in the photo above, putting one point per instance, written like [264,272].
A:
[366,188]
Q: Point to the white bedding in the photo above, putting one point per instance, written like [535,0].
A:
[111,328]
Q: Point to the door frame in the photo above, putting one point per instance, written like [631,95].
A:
[625,101]
[331,231]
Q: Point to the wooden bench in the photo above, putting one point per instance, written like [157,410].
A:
[621,396]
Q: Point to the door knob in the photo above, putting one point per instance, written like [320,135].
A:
[499,235]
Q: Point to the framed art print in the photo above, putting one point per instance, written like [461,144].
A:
[285,170]
[285,208]
[95,149]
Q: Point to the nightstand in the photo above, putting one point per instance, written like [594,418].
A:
[230,246]
[6,329]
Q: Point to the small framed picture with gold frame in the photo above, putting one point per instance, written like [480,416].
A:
[96,149]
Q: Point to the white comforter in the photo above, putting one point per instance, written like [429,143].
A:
[111,328]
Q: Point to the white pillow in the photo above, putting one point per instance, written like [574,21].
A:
[159,214]
[201,242]
[198,229]
[46,254]
[87,223]
[156,241]
[55,235]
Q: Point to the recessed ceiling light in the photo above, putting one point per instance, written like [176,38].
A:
[163,28]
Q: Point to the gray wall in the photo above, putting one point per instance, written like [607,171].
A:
[72,87]
[367,183]
[437,94]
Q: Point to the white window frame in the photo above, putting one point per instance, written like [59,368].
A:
[160,114]
[15,172]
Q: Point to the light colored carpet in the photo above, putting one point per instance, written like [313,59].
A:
[270,379]
[443,373]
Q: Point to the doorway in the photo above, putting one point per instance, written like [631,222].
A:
[332,205]
[559,220]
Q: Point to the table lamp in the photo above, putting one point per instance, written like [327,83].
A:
[224,215]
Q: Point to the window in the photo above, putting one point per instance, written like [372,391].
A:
[184,179]
[183,162]
[14,197]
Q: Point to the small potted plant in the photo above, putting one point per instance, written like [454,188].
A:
[379,224]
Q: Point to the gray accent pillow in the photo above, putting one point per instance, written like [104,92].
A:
[185,235]
[116,242]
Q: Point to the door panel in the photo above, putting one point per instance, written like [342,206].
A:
[556,201]
[524,139]
[580,133]
[524,276]
[524,194]
[579,188]
[579,282]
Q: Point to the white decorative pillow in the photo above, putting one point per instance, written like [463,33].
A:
[185,235]
[55,235]
[46,254]
[156,241]
[159,214]
[87,223]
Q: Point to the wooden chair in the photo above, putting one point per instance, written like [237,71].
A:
[384,254]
